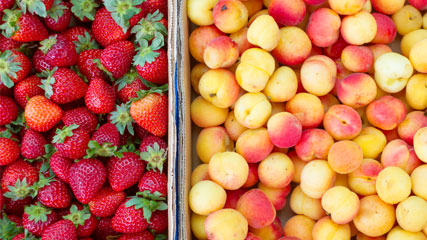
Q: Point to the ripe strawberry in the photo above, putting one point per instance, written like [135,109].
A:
[159,221]
[39,7]
[5,91]
[32,144]
[87,66]
[123,172]
[84,10]
[86,178]
[8,43]
[39,61]
[117,58]
[16,207]
[153,5]
[104,142]
[8,110]
[71,141]
[17,179]
[59,52]
[151,111]
[141,133]
[63,85]
[42,114]
[104,229]
[74,34]
[23,27]
[16,67]
[6,4]
[151,62]
[54,194]
[26,89]
[61,230]
[154,151]
[25,236]
[59,16]
[1,199]
[105,30]
[83,220]
[129,218]
[100,96]
[106,202]
[60,166]
[81,116]
[128,86]
[137,17]
[145,235]
[154,182]
[37,218]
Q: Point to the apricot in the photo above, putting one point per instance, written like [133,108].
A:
[229,169]
[252,176]
[264,32]
[393,185]
[226,224]
[359,28]
[254,145]
[282,85]
[323,27]
[256,208]
[277,196]
[294,46]
[233,196]
[221,52]
[200,173]
[357,90]
[201,37]
[276,171]
[307,108]
[420,144]
[392,72]
[386,112]
[316,178]
[299,226]
[416,92]
[417,56]
[318,75]
[233,127]
[399,154]
[386,29]
[419,181]
[270,232]
[206,197]
[241,39]
[361,236]
[230,16]
[287,12]
[326,229]
[398,233]
[387,6]
[410,39]
[252,110]
[198,226]
[341,203]
[219,87]
[298,166]
[205,114]
[200,12]
[345,156]
[314,144]
[363,180]
[300,203]
[412,123]
[407,19]
[253,6]
[347,7]
[411,214]
[284,130]
[357,58]
[342,122]
[196,73]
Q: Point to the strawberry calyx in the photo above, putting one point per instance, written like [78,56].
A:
[10,19]
[123,10]
[57,10]
[105,150]
[17,125]
[78,217]
[127,79]
[160,236]
[19,191]
[142,93]
[100,66]
[146,53]
[63,133]
[85,43]
[84,9]
[8,68]
[148,202]
[155,157]
[122,119]
[8,228]
[42,182]
[33,6]
[37,212]
[48,43]
[48,81]
[150,27]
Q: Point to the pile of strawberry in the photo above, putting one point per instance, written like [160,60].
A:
[83,119]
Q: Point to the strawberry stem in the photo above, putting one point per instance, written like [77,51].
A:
[84,9]
[63,133]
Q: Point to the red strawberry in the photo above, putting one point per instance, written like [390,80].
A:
[5,5]
[17,179]
[23,27]
[151,112]
[100,96]
[39,61]
[153,5]
[54,194]
[86,178]
[61,230]
[58,51]
[71,141]
[17,66]
[123,172]
[16,207]
[87,66]
[5,91]
[60,166]
[41,114]
[83,220]
[84,10]
[73,34]
[8,43]
[81,116]
[104,142]
[37,218]
[129,218]
[106,202]
[25,236]
[124,13]
[117,58]
[82,38]
[1,199]
[32,144]
[154,182]
[59,16]
[8,110]
[145,235]
[26,89]
[63,85]
[105,30]
[128,86]
[135,19]
[159,221]
[141,133]
[104,229]
[151,62]
[154,151]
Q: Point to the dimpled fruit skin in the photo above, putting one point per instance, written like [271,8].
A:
[41,114]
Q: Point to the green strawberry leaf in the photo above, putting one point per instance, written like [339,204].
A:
[127,79]
[85,43]
[78,217]
[155,157]
[57,10]
[18,124]
[48,43]
[122,10]
[104,150]
[42,182]
[84,9]
[37,212]
[146,53]
[160,237]
[8,68]
[147,202]
[62,134]
[8,228]
[142,93]
[100,66]
[19,191]
[150,27]
[122,119]
[33,6]
[10,19]
[48,81]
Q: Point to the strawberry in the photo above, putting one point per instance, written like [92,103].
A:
[105,30]
[74,34]
[17,179]
[104,229]
[104,141]
[1,199]
[59,16]
[154,151]
[6,4]
[37,218]
[71,141]
[5,91]
[123,11]
[159,221]
[151,111]
[61,230]
[63,85]
[8,110]
[152,61]
[106,202]
[128,86]
[135,19]
[32,144]
[25,236]
[144,235]
[81,116]
[151,27]
[123,172]
[16,207]
[83,220]
[42,114]
[154,182]
[153,5]
[9,227]
[16,67]
[8,43]
[86,178]
[59,52]
[141,133]
[38,7]
[40,63]
[87,66]
[23,27]
[117,58]
[84,10]
[60,166]
[26,89]
[122,119]
[100,96]
[54,193]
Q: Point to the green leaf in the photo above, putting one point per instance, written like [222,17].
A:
[19,191]
[85,43]
[62,134]
[160,237]
[78,217]
[100,66]
[122,10]
[84,9]
[48,81]
[18,124]
[57,10]
[8,68]
[122,119]
[145,53]
[8,228]
[104,150]
[47,44]
[33,6]
[10,19]
[37,213]
[142,93]
[150,27]
[155,157]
